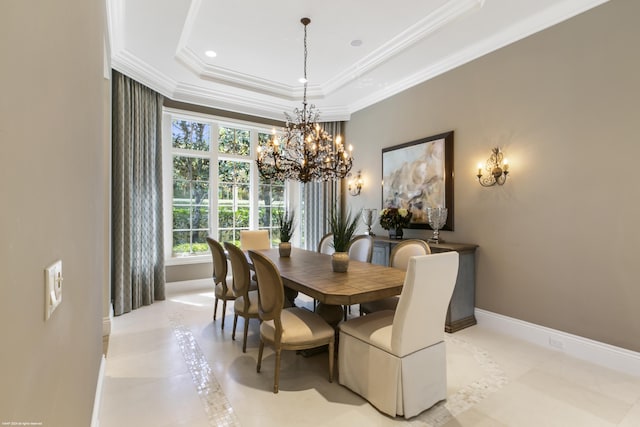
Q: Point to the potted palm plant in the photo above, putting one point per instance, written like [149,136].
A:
[343,228]
[286,222]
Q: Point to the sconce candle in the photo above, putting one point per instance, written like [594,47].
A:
[354,186]
[498,168]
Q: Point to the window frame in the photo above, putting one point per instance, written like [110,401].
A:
[291,191]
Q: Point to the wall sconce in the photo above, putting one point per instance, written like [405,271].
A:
[354,186]
[498,168]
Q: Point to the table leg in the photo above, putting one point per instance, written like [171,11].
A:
[332,314]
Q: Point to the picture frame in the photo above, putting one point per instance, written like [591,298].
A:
[417,175]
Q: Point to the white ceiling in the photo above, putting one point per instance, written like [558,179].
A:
[259,46]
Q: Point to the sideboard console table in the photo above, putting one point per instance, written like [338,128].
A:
[461,308]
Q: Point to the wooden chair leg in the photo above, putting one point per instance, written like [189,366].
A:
[215,308]
[260,349]
[331,349]
[224,312]
[235,322]
[276,378]
[246,331]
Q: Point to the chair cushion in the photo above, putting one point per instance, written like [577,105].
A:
[374,328]
[219,292]
[299,326]
[238,304]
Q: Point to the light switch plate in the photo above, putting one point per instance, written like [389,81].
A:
[52,288]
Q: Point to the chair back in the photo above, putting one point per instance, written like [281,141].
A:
[403,251]
[220,268]
[420,316]
[361,248]
[270,287]
[254,239]
[240,271]
[326,244]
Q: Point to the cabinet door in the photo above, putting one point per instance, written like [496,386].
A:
[380,254]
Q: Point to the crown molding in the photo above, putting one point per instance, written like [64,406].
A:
[115,24]
[552,16]
[237,79]
[240,103]
[127,63]
[415,33]
[273,100]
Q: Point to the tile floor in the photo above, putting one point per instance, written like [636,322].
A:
[169,365]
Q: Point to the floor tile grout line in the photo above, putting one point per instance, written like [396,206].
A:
[216,405]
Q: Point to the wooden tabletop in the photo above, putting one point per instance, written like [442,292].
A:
[310,273]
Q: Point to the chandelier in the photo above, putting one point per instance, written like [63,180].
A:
[305,152]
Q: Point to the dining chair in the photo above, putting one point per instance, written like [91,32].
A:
[246,303]
[397,359]
[326,244]
[360,249]
[254,239]
[222,284]
[286,328]
[399,258]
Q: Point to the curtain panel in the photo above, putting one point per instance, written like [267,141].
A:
[319,199]
[137,261]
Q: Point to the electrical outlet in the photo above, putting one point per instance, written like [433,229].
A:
[556,343]
[52,288]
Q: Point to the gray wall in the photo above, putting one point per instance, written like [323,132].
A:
[558,242]
[52,186]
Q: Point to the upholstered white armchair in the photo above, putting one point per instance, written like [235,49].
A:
[397,360]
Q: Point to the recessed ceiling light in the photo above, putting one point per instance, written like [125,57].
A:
[356,43]
[302,80]
[211,54]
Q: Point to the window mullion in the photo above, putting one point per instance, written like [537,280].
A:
[214,217]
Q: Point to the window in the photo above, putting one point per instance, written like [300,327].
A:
[215,187]
[190,204]
[271,201]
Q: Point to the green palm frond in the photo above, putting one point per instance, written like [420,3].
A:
[343,229]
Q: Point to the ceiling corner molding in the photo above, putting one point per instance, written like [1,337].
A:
[115,24]
[127,63]
[421,29]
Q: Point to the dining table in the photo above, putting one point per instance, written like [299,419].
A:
[310,273]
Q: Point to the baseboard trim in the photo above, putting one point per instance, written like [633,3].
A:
[106,322]
[95,416]
[106,326]
[607,355]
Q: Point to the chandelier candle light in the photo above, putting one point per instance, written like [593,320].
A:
[305,152]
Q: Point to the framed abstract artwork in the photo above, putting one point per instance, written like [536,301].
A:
[418,175]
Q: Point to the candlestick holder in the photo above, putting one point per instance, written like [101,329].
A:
[368,217]
[437,218]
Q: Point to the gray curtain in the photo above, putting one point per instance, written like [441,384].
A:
[318,200]
[137,261]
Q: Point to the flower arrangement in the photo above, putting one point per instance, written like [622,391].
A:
[393,218]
